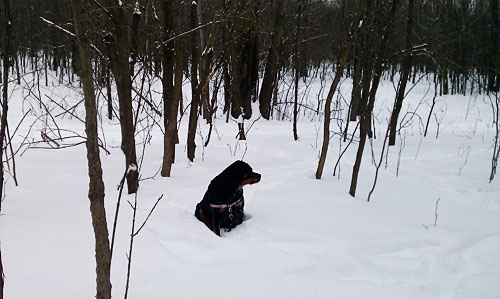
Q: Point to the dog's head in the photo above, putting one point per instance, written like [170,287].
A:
[235,176]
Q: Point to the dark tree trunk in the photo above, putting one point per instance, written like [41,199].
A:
[195,95]
[272,63]
[406,67]
[244,64]
[356,84]
[297,72]
[3,122]
[226,53]
[494,72]
[254,52]
[340,69]
[96,185]
[108,92]
[119,53]
[382,34]
[169,102]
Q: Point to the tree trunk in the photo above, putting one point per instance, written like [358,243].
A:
[400,94]
[340,69]
[272,63]
[494,73]
[204,66]
[5,108]
[96,185]
[119,53]
[356,84]
[297,73]
[171,109]
[244,64]
[382,36]
[169,103]
[195,96]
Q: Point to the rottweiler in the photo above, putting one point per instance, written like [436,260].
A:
[222,205]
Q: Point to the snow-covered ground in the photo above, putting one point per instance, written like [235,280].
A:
[305,238]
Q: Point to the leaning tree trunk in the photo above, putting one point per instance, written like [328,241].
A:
[195,95]
[400,95]
[96,185]
[119,53]
[169,103]
[382,36]
[3,122]
[340,69]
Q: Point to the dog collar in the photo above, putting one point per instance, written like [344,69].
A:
[224,206]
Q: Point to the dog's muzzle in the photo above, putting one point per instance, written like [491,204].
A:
[255,178]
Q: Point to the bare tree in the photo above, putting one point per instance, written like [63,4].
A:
[5,107]
[272,63]
[195,96]
[96,186]
[169,102]
[384,23]
[297,71]
[340,70]
[405,74]
[119,53]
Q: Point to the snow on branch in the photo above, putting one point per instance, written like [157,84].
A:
[69,33]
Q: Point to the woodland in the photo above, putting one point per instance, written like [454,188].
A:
[239,62]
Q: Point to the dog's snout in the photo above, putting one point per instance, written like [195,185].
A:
[257,177]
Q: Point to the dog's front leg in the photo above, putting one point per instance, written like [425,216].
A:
[216,221]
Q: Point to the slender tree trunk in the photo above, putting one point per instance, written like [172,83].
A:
[171,112]
[340,69]
[272,63]
[494,67]
[225,66]
[382,36]
[108,92]
[119,54]
[356,84]
[195,96]
[400,94]
[5,108]
[297,73]
[204,67]
[96,185]
[169,103]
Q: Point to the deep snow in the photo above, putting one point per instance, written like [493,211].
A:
[305,238]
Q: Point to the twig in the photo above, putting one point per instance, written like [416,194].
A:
[436,212]
[129,256]
[120,188]
[150,212]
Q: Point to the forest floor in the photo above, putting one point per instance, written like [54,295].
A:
[304,238]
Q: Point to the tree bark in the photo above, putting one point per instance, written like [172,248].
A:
[272,63]
[340,69]
[195,96]
[96,185]
[297,73]
[119,53]
[494,76]
[3,122]
[169,102]
[382,36]
[171,111]
[406,67]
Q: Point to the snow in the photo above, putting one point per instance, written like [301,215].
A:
[304,238]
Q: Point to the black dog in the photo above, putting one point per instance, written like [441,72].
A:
[222,205]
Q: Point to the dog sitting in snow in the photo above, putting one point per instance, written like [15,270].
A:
[222,204]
